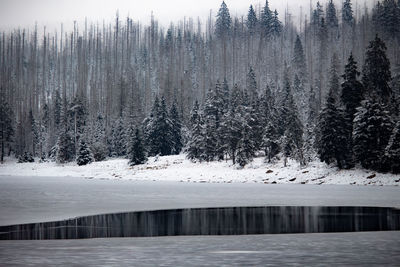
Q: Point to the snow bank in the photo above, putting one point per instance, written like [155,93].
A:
[178,168]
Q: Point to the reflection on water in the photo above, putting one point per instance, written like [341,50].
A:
[329,249]
[213,221]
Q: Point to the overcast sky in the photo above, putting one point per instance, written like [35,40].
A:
[24,13]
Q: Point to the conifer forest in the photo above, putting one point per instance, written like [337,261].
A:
[324,86]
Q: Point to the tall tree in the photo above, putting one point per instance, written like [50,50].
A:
[372,130]
[176,129]
[376,71]
[6,127]
[347,13]
[137,154]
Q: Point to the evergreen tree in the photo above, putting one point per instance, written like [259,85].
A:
[84,156]
[352,89]
[266,20]
[271,140]
[224,22]
[137,153]
[245,146]
[317,15]
[251,21]
[276,26]
[176,128]
[6,127]
[159,130]
[291,125]
[331,18]
[347,13]
[299,61]
[334,78]
[232,124]
[251,84]
[118,137]
[332,137]
[376,72]
[371,133]
[195,146]
[57,109]
[98,146]
[65,150]
[392,151]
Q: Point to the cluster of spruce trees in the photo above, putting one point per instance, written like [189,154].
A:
[262,84]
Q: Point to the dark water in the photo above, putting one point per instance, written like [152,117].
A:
[212,221]
[326,249]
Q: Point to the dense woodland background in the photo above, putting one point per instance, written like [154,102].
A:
[228,88]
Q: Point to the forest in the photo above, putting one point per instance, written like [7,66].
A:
[325,86]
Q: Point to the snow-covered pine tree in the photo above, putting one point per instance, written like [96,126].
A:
[331,18]
[276,27]
[84,155]
[392,151]
[352,89]
[159,130]
[98,140]
[299,61]
[176,129]
[332,135]
[232,125]
[117,143]
[245,145]
[347,13]
[65,148]
[137,153]
[371,133]
[266,20]
[252,21]
[195,146]
[291,124]
[271,140]
[251,85]
[376,71]
[6,127]
[224,21]
[317,15]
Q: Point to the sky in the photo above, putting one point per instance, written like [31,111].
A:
[24,13]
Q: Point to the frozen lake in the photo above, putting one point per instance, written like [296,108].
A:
[336,249]
[39,199]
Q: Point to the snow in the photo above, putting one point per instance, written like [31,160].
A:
[178,168]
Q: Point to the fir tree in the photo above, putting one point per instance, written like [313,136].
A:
[331,18]
[159,130]
[117,142]
[251,21]
[84,156]
[224,21]
[291,124]
[98,146]
[332,137]
[176,128]
[271,140]
[137,153]
[6,127]
[299,61]
[392,151]
[352,89]
[65,151]
[371,133]
[376,71]
[317,15]
[347,13]
[276,26]
[252,85]
[266,20]
[195,146]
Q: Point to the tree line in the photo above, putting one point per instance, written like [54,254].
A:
[230,88]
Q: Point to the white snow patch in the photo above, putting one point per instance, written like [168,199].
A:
[178,168]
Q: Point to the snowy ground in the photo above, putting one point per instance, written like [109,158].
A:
[178,168]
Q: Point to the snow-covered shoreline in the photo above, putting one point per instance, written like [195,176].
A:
[178,168]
